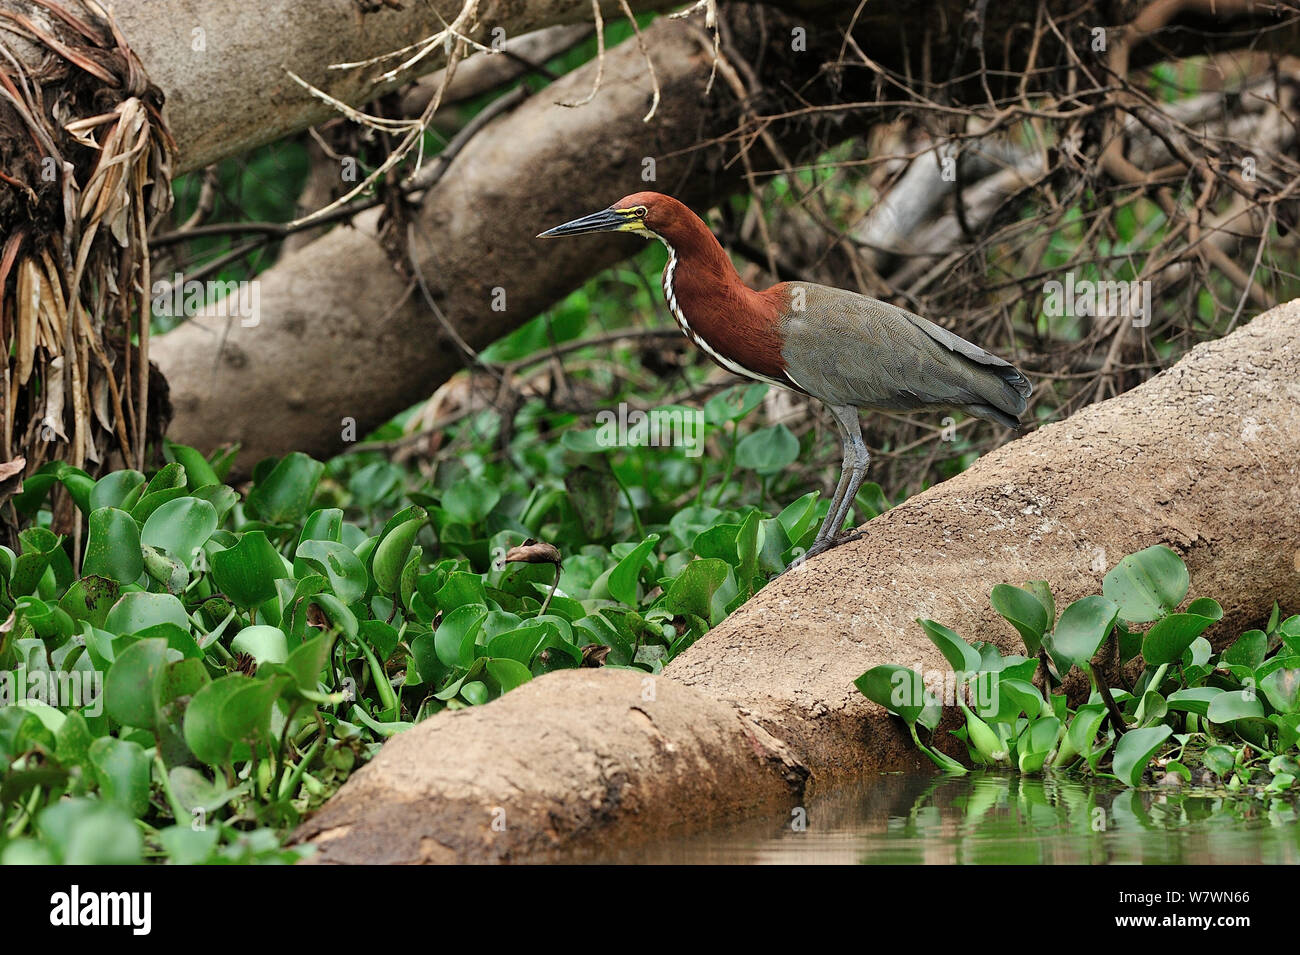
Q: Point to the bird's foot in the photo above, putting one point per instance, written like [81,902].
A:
[821,547]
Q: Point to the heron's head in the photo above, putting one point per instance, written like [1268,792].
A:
[647,214]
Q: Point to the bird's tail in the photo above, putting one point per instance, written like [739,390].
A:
[1005,393]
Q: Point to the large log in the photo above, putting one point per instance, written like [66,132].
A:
[1204,458]
[224,65]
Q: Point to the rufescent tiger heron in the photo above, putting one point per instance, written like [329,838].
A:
[845,349]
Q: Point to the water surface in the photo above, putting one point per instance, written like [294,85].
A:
[1000,818]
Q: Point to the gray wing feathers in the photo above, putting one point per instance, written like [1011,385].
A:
[850,349]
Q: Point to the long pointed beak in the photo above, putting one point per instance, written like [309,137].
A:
[607,220]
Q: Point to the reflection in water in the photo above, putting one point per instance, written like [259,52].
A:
[1004,819]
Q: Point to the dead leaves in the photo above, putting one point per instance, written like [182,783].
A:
[533,552]
[74,272]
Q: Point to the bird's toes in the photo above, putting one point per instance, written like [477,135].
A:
[820,547]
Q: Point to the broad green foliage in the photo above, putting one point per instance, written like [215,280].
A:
[1235,714]
[242,653]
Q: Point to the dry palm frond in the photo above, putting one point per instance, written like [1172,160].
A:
[87,163]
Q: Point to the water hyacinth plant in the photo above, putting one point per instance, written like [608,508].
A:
[1232,716]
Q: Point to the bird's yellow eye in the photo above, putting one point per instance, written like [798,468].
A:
[639,212]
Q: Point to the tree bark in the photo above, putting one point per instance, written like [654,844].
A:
[235,93]
[1204,458]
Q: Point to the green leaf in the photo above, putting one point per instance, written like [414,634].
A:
[122,770]
[198,472]
[871,501]
[507,673]
[183,678]
[734,403]
[247,572]
[1152,709]
[768,450]
[470,501]
[113,546]
[119,489]
[284,495]
[1037,743]
[324,524]
[1024,611]
[91,832]
[1024,696]
[961,656]
[339,565]
[524,642]
[1043,591]
[263,643]
[1171,635]
[798,517]
[1198,654]
[1082,628]
[1289,630]
[307,661]
[1083,728]
[1135,749]
[453,689]
[339,616]
[460,588]
[167,485]
[1282,688]
[90,599]
[180,527]
[245,716]
[73,740]
[1247,650]
[137,610]
[187,846]
[1220,760]
[589,441]
[221,497]
[39,546]
[1195,699]
[694,589]
[202,729]
[1147,585]
[1234,705]
[748,544]
[424,666]
[622,581]
[394,548]
[718,541]
[166,570]
[455,638]
[898,689]
[134,683]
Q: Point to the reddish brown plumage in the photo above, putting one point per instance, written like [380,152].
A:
[735,321]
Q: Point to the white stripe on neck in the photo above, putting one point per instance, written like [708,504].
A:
[670,270]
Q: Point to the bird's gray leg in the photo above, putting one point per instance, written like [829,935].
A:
[829,528]
[856,457]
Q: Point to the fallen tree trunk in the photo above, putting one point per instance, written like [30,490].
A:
[224,64]
[1205,458]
